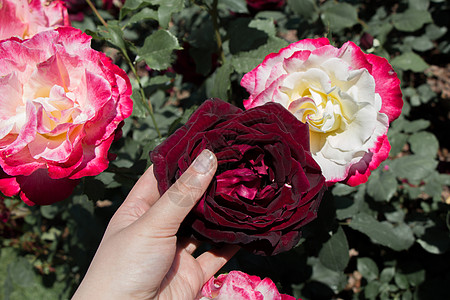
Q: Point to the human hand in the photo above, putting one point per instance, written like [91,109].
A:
[140,257]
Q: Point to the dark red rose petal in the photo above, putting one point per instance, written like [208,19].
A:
[267,185]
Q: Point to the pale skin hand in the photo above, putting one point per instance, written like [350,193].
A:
[139,256]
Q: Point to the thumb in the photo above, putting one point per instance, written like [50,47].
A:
[165,216]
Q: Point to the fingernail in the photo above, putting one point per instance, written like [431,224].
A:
[204,162]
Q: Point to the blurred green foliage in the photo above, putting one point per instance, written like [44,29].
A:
[386,239]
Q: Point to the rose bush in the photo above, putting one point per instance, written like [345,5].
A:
[25,18]
[237,285]
[347,97]
[60,105]
[267,185]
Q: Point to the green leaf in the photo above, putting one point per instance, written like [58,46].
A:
[419,4]
[368,268]
[412,94]
[307,9]
[144,14]
[51,235]
[397,141]
[160,80]
[372,289]
[444,179]
[335,252]
[158,48]
[49,211]
[424,143]
[387,274]
[83,201]
[413,167]
[380,26]
[113,34]
[166,116]
[139,109]
[87,24]
[425,92]
[434,32]
[416,278]
[133,4]
[382,185]
[396,216]
[407,295]
[21,272]
[335,280]
[265,25]
[108,180]
[384,233]
[433,186]
[422,43]
[416,125]
[413,191]
[166,9]
[435,240]
[220,83]
[338,15]
[340,189]
[181,120]
[401,281]
[244,62]
[409,61]
[236,6]
[347,208]
[411,20]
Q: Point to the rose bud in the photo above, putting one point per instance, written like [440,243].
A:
[366,41]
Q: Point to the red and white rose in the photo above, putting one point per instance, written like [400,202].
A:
[60,105]
[347,97]
[237,285]
[25,18]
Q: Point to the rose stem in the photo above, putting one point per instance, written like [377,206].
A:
[96,12]
[215,16]
[147,104]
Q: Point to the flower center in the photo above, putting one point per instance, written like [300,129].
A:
[323,112]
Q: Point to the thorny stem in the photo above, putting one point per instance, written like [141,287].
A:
[146,104]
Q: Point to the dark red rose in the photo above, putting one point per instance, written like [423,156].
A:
[265,4]
[267,185]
